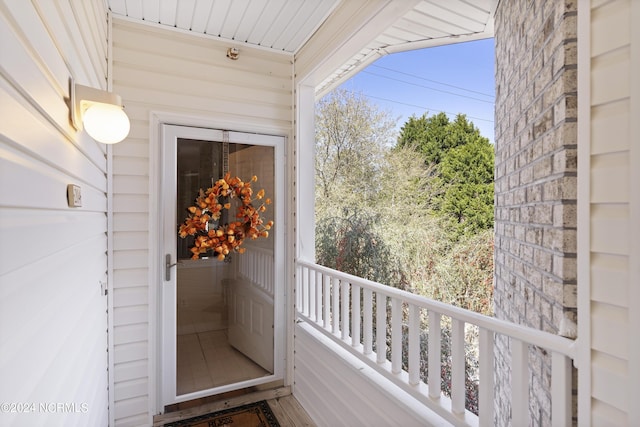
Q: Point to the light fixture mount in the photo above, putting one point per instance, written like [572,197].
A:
[233,53]
[99,112]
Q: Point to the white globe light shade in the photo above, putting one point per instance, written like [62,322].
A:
[106,123]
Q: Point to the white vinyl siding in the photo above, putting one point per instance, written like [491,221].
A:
[53,258]
[161,71]
[337,389]
[611,215]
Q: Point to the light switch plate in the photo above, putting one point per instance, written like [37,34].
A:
[74,196]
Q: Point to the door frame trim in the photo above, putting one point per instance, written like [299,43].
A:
[157,119]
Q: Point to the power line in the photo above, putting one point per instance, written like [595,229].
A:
[422,107]
[432,81]
[426,87]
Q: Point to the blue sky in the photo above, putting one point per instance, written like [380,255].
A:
[457,78]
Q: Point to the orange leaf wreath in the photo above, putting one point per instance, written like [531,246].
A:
[225,238]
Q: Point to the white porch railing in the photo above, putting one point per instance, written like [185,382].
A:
[327,299]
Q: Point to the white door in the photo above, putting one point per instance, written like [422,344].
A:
[206,300]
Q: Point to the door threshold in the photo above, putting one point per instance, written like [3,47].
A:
[232,399]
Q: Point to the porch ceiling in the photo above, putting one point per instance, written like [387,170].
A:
[285,25]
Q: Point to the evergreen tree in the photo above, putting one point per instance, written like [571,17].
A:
[463,162]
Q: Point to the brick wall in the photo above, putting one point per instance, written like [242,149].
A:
[535,187]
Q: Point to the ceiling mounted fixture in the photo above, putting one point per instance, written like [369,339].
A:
[233,53]
[99,112]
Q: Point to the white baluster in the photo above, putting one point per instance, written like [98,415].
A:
[319,286]
[396,335]
[381,328]
[414,345]
[355,315]
[299,280]
[433,357]
[458,373]
[561,408]
[327,301]
[335,307]
[368,321]
[486,388]
[303,295]
[311,295]
[345,308]
[519,383]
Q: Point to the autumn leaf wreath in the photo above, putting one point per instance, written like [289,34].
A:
[204,217]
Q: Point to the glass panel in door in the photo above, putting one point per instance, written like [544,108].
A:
[224,331]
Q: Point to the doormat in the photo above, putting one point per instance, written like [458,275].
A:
[257,414]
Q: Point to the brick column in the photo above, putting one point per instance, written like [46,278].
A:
[535,186]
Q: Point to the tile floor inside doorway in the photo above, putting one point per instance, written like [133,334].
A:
[206,360]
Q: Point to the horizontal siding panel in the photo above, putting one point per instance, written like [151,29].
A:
[130,333]
[27,69]
[130,240]
[610,127]
[28,183]
[605,319]
[126,278]
[65,365]
[129,408]
[610,77]
[609,380]
[81,54]
[322,382]
[197,105]
[134,421]
[609,229]
[46,95]
[53,258]
[37,138]
[224,86]
[131,352]
[188,48]
[612,272]
[134,147]
[37,40]
[132,166]
[273,75]
[330,385]
[130,222]
[125,297]
[28,294]
[605,415]
[131,203]
[54,231]
[131,259]
[95,48]
[127,371]
[610,178]
[130,184]
[130,315]
[610,27]
[128,389]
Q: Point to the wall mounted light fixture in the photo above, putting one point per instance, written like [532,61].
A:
[99,112]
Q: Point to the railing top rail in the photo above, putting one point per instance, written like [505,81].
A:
[532,336]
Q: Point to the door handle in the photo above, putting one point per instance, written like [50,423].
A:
[167,267]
